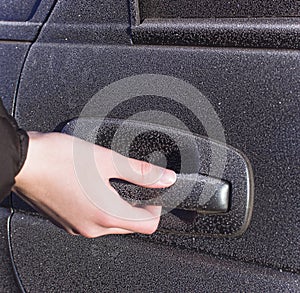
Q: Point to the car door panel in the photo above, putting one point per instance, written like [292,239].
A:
[244,95]
[128,264]
[86,46]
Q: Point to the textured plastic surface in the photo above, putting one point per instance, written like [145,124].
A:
[18,31]
[18,10]
[145,139]
[21,20]
[7,277]
[60,262]
[255,24]
[11,60]
[230,32]
[256,95]
[217,8]
[215,201]
[100,22]
[254,92]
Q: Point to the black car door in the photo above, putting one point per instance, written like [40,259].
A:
[242,58]
[20,22]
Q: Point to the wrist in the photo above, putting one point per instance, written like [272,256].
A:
[29,161]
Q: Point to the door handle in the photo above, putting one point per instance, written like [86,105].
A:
[211,200]
[203,200]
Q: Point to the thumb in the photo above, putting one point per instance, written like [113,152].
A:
[142,173]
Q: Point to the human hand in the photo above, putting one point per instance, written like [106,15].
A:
[49,182]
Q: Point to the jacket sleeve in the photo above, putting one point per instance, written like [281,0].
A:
[13,151]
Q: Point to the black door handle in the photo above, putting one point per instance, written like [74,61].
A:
[204,200]
[188,193]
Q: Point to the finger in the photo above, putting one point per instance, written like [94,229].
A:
[140,172]
[108,231]
[116,212]
[145,226]
[93,231]
[123,215]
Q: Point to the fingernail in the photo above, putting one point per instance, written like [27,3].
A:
[169,178]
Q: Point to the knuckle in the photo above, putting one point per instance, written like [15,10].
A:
[145,168]
[104,220]
[108,222]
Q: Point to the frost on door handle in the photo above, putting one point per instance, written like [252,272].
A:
[191,192]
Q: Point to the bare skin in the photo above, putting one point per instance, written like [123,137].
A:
[48,181]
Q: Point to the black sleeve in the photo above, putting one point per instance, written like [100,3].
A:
[13,151]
